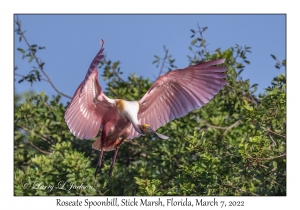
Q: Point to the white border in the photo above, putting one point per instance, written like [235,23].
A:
[154,6]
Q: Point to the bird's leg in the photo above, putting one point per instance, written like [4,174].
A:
[147,129]
[99,161]
[114,160]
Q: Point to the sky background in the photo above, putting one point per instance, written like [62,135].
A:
[72,41]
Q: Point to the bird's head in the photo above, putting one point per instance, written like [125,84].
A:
[146,128]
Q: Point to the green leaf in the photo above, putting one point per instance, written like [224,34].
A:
[193,42]
[21,50]
[273,56]
[202,43]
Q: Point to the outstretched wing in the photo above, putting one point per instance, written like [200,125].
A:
[178,92]
[89,107]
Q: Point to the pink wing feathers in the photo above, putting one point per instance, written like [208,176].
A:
[178,92]
[89,107]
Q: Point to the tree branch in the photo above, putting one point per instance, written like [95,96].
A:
[40,150]
[25,76]
[201,35]
[117,75]
[279,185]
[41,136]
[272,140]
[38,62]
[214,126]
[267,129]
[253,99]
[176,162]
[131,142]
[272,158]
[81,145]
[162,65]
[237,188]
[224,128]
[232,126]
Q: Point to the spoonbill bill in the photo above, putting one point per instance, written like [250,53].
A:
[171,96]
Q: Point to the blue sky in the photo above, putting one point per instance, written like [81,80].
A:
[72,41]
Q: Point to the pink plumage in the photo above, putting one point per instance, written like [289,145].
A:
[178,92]
[173,95]
[89,108]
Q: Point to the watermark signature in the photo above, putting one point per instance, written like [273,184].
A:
[62,185]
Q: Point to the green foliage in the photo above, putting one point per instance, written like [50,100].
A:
[234,145]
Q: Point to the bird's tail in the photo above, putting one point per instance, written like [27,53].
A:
[97,145]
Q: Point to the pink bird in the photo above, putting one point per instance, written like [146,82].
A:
[173,95]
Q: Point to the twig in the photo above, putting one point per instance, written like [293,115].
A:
[267,129]
[114,70]
[237,54]
[162,66]
[42,137]
[176,162]
[253,99]
[99,191]
[25,76]
[224,128]
[279,185]
[42,151]
[232,126]
[117,75]
[237,188]
[272,158]
[272,140]
[272,171]
[266,167]
[81,145]
[195,54]
[47,106]
[214,126]
[201,35]
[39,64]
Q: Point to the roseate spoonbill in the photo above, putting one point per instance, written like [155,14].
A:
[173,95]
